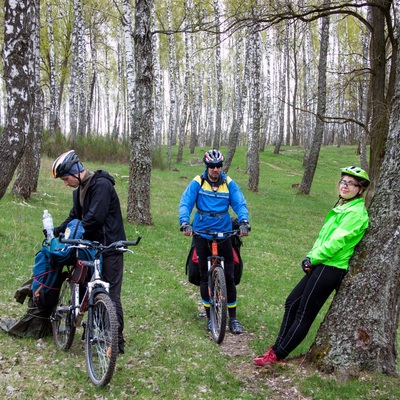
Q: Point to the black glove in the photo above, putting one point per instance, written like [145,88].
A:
[45,233]
[244,228]
[306,265]
[187,228]
[57,231]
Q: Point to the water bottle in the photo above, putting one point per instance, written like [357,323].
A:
[48,224]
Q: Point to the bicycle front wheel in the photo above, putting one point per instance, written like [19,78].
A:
[218,306]
[101,348]
[62,318]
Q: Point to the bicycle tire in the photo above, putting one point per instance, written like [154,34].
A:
[62,319]
[218,305]
[101,346]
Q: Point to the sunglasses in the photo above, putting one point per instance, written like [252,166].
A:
[348,184]
[214,166]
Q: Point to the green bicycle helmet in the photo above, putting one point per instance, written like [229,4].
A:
[358,173]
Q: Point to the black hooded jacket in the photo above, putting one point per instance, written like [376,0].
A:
[101,212]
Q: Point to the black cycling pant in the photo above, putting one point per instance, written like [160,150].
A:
[303,304]
[112,271]
[203,250]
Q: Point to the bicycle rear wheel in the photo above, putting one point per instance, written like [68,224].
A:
[218,306]
[62,318]
[101,349]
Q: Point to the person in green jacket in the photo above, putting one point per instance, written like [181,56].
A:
[325,265]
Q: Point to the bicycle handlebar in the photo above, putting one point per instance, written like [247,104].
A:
[98,246]
[216,235]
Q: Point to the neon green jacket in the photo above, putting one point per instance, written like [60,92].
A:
[343,228]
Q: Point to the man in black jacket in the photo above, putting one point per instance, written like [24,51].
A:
[96,203]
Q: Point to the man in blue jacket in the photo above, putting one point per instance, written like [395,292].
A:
[213,192]
[96,203]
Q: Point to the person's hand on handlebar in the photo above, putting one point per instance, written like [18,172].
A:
[187,229]
[244,228]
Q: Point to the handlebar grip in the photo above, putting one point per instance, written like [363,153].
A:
[129,243]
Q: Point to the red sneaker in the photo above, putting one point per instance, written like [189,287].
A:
[265,354]
[268,358]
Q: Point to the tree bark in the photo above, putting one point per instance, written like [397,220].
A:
[253,158]
[18,67]
[239,102]
[218,77]
[138,207]
[380,105]
[311,166]
[28,169]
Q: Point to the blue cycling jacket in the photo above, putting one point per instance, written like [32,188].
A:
[212,204]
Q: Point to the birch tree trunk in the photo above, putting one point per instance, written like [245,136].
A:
[130,61]
[254,144]
[73,83]
[186,88]
[82,71]
[18,72]
[158,100]
[120,96]
[172,85]
[54,110]
[267,108]
[240,99]
[311,166]
[138,207]
[283,91]
[218,78]
[359,333]
[295,134]
[28,169]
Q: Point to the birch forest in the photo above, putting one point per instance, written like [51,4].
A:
[189,73]
[221,68]
[197,73]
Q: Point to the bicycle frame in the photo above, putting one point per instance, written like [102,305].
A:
[95,285]
[217,285]
[101,328]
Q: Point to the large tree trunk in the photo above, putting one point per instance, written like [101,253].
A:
[18,67]
[380,105]
[359,332]
[138,208]
[28,169]
[311,166]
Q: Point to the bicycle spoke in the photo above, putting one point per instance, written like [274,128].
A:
[102,340]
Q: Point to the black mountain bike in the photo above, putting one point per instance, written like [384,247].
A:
[77,295]
[217,284]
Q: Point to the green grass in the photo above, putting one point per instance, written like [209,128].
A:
[168,353]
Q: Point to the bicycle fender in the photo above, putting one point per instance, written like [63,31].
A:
[95,292]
